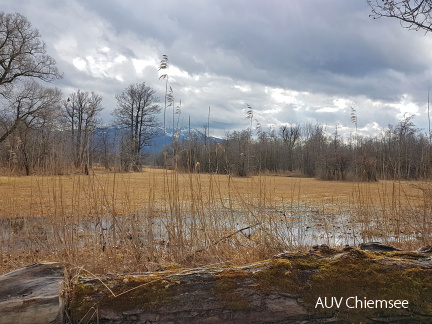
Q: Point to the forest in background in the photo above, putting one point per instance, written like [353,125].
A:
[53,147]
[399,152]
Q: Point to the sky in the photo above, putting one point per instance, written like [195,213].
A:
[293,62]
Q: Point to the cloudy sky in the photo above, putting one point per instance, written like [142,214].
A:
[292,61]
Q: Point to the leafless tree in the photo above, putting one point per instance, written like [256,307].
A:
[104,146]
[38,141]
[25,105]
[23,59]
[290,136]
[22,53]
[29,107]
[136,112]
[412,14]
[81,110]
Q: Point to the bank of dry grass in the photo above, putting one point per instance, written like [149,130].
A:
[39,195]
[109,222]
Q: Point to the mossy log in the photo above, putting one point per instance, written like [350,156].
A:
[321,286]
[289,288]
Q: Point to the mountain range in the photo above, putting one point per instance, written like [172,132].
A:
[157,143]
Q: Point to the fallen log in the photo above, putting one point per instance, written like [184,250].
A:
[333,286]
[322,286]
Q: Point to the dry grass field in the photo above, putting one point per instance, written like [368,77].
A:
[111,222]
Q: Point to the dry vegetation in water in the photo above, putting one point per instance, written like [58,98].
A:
[132,222]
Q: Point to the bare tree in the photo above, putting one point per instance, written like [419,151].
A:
[28,108]
[22,53]
[290,135]
[137,109]
[104,146]
[23,58]
[412,14]
[81,111]
[37,141]
[25,105]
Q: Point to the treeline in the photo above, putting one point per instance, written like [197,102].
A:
[400,152]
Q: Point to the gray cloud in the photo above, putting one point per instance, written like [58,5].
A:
[292,61]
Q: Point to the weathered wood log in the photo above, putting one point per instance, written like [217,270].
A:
[32,295]
[190,296]
[291,288]
[322,286]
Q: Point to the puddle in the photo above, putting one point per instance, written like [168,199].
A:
[294,227]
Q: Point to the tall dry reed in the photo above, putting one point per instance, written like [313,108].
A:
[116,222]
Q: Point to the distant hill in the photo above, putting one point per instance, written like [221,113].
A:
[111,134]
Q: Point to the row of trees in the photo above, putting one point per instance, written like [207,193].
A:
[399,152]
[39,130]
[43,132]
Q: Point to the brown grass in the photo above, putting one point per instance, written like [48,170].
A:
[150,220]
[38,195]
